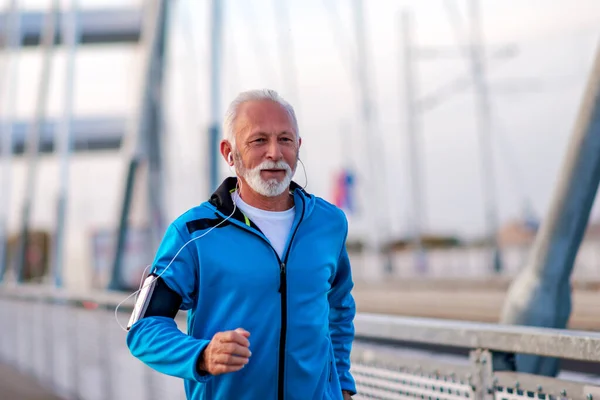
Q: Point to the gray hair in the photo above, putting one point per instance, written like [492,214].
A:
[253,95]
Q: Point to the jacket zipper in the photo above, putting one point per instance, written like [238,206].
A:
[283,292]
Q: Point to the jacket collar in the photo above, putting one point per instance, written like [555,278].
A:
[222,201]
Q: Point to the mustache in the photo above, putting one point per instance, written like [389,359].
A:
[274,165]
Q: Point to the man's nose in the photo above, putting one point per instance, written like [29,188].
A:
[274,151]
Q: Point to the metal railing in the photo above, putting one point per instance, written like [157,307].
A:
[72,343]
[386,374]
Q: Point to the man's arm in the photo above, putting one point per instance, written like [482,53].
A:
[158,343]
[341,317]
[155,339]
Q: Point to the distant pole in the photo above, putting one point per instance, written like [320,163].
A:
[33,142]
[412,134]
[148,134]
[484,128]
[13,42]
[216,54]
[64,137]
[541,294]
[115,279]
[376,225]
[286,50]
[154,116]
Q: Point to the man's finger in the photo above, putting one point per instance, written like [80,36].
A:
[230,359]
[243,332]
[235,349]
[233,336]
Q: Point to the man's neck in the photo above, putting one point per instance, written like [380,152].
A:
[277,203]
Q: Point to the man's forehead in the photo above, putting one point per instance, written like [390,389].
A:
[258,112]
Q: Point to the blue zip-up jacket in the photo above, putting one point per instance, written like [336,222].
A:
[298,309]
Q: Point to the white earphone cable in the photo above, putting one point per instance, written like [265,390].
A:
[168,265]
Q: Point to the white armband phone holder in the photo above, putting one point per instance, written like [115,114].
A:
[143,300]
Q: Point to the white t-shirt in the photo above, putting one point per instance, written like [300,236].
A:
[276,225]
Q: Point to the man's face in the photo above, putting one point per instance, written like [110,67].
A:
[266,151]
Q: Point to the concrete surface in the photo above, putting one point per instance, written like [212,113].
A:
[17,386]
[467,301]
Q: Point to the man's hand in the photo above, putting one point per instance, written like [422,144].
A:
[227,352]
[347,395]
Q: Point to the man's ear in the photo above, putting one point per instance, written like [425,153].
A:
[226,151]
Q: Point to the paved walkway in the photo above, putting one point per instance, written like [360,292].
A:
[16,386]
[482,301]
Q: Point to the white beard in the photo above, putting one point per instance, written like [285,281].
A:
[270,187]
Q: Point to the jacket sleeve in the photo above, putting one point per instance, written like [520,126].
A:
[341,318]
[156,340]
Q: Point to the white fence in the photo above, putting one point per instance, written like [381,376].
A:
[77,349]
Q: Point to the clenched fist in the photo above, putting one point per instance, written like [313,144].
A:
[227,352]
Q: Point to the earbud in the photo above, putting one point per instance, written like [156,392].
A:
[230,158]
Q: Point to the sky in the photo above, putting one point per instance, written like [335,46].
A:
[555,42]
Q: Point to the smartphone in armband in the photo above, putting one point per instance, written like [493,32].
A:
[141,304]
